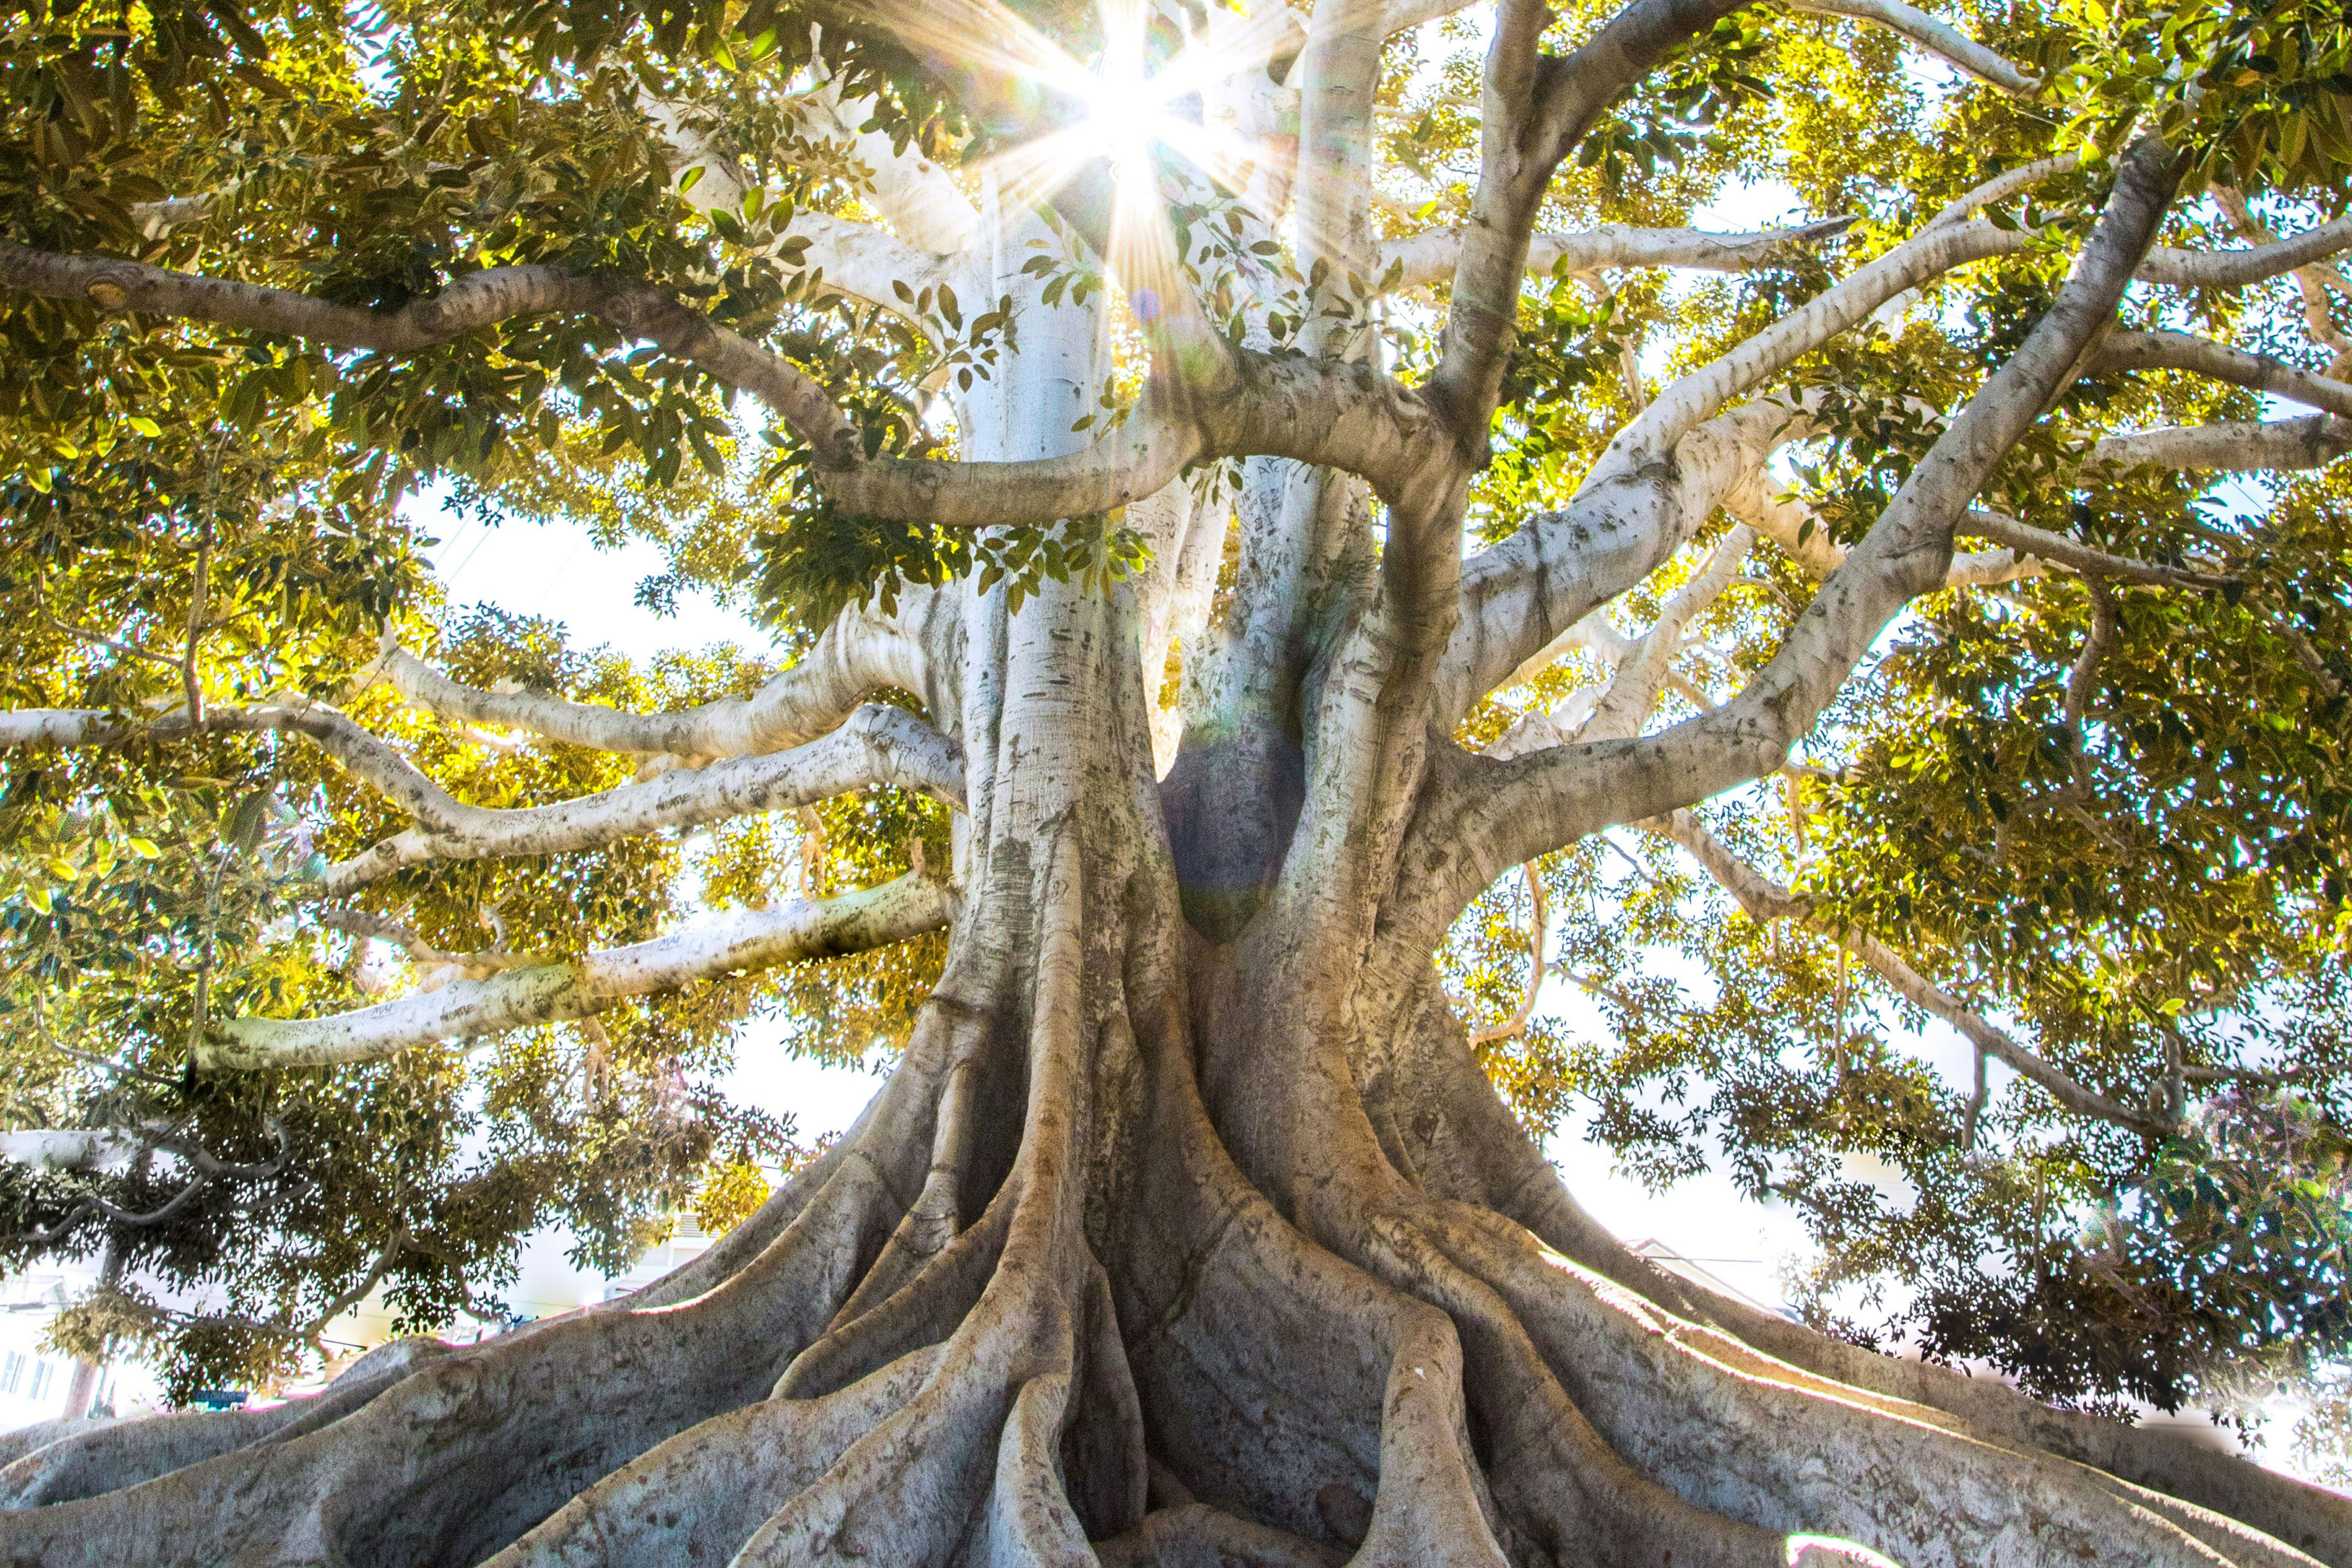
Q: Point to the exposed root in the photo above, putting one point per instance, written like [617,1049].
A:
[457,1459]
[1105,1471]
[1194,1536]
[923,1313]
[696,1498]
[124,1453]
[1338,1418]
[1466,1146]
[1784,1453]
[14,1446]
[932,1221]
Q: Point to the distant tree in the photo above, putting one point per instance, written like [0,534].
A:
[1247,506]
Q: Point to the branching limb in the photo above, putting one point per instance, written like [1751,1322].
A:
[1346,416]
[1792,526]
[1534,111]
[1479,819]
[2235,268]
[478,300]
[1785,521]
[1426,258]
[2203,356]
[877,745]
[2003,186]
[365,755]
[864,262]
[2243,446]
[1767,900]
[1628,519]
[2042,544]
[1937,37]
[2317,282]
[551,993]
[914,195]
[1640,677]
[857,653]
[1695,397]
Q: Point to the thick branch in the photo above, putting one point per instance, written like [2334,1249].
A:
[1793,527]
[1766,901]
[1937,37]
[2003,186]
[476,300]
[2220,361]
[2232,268]
[2244,446]
[877,745]
[1482,818]
[519,998]
[914,195]
[857,653]
[2042,544]
[1534,111]
[1427,258]
[863,262]
[1926,255]
[366,756]
[1342,416]
[1625,522]
[72,1149]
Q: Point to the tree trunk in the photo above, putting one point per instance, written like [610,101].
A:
[1188,1229]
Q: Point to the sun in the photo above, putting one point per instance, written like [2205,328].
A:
[1130,107]
[1127,115]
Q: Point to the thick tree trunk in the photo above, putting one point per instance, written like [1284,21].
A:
[1188,1229]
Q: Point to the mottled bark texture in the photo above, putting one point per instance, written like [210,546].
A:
[1188,1230]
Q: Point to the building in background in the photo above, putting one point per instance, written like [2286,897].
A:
[35,1384]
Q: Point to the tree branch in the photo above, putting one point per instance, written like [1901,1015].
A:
[2044,545]
[520,998]
[1625,522]
[1431,257]
[1480,818]
[859,653]
[366,756]
[1697,396]
[2220,361]
[1534,110]
[2244,446]
[2232,268]
[1937,37]
[914,195]
[879,744]
[1342,416]
[1767,900]
[2003,186]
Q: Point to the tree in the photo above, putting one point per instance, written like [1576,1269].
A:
[1200,530]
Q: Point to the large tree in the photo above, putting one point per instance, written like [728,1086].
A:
[1225,479]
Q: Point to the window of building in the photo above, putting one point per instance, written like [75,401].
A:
[43,1372]
[12,1372]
